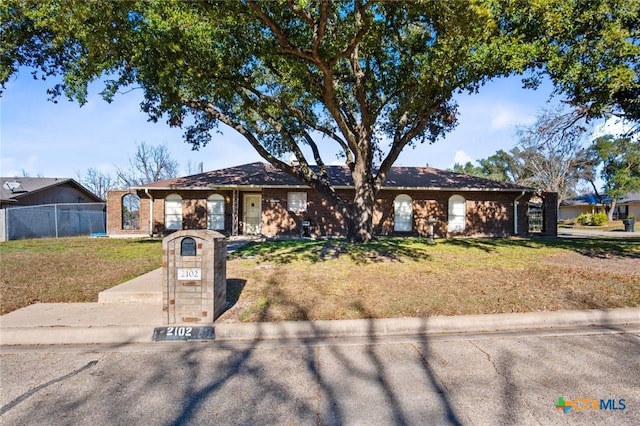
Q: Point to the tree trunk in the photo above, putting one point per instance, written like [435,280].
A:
[612,208]
[359,217]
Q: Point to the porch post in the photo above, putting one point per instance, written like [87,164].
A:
[234,213]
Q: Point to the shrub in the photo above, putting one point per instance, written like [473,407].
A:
[599,219]
[584,219]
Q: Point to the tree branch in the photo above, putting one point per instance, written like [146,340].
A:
[366,23]
[282,39]
[303,118]
[305,174]
[400,141]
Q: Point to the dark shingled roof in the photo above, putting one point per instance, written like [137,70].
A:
[23,186]
[265,175]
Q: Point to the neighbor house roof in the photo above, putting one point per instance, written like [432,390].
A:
[261,175]
[632,197]
[584,200]
[592,200]
[14,188]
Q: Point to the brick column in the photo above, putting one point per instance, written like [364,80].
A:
[550,224]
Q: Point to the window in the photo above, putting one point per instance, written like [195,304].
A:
[130,212]
[215,212]
[457,211]
[403,217]
[297,201]
[173,212]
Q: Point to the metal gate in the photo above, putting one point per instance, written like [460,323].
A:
[536,221]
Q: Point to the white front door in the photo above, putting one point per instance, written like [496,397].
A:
[252,214]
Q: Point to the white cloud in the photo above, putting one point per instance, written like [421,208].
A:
[614,126]
[461,157]
[504,117]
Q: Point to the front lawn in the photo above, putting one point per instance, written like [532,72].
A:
[329,279]
[299,280]
[52,270]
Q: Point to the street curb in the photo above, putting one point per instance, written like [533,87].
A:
[428,325]
[297,330]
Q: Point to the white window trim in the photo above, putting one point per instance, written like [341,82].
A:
[172,200]
[214,219]
[407,224]
[457,221]
[297,202]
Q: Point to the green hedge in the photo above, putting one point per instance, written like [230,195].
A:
[596,219]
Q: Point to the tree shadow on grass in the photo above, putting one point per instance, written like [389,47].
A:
[597,247]
[314,251]
[594,247]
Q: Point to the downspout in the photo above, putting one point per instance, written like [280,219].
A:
[146,191]
[515,213]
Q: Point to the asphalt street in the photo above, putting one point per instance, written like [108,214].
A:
[470,379]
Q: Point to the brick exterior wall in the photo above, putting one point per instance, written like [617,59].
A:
[114,214]
[487,213]
[194,211]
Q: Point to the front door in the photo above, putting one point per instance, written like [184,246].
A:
[252,214]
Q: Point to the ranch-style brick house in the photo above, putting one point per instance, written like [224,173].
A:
[259,199]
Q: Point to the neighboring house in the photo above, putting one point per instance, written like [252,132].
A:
[626,206]
[571,208]
[258,199]
[30,191]
[41,195]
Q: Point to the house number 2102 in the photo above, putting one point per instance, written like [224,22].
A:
[189,273]
[179,331]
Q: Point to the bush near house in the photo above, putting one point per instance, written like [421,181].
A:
[599,219]
[596,219]
[584,219]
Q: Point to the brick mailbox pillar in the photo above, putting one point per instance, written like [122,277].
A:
[194,276]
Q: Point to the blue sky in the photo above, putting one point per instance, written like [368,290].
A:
[63,140]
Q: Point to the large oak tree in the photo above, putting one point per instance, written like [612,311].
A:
[368,77]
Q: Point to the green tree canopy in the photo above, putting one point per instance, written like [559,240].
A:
[618,160]
[367,77]
[502,166]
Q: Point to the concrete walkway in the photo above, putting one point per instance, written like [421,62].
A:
[597,233]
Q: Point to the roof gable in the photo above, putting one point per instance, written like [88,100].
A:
[14,188]
[265,175]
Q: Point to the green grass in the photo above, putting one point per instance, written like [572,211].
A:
[70,269]
[331,279]
[392,277]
